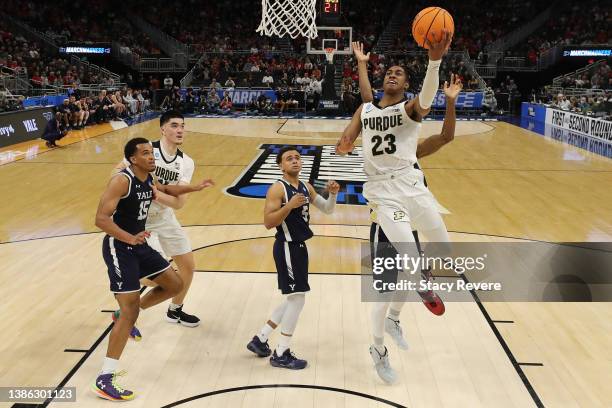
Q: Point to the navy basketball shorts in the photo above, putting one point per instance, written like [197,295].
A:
[291,260]
[127,264]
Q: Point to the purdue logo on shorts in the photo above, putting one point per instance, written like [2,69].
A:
[399,216]
[320,163]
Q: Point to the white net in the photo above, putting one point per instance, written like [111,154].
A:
[292,17]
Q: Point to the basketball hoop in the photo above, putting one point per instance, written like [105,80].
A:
[329,54]
[292,17]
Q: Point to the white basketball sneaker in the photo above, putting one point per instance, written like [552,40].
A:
[394,330]
[381,363]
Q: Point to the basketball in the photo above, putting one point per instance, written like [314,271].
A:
[429,21]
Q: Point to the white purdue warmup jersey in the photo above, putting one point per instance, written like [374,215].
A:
[170,170]
[389,138]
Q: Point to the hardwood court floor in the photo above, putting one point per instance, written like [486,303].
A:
[496,179]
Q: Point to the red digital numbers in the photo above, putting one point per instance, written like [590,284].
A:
[331,6]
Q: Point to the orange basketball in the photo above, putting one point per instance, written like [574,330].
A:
[429,21]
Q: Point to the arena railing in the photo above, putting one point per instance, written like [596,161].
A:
[189,76]
[570,91]
[559,80]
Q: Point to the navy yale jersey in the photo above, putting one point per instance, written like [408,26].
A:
[169,170]
[132,209]
[295,228]
[389,138]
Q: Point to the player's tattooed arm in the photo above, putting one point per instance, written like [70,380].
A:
[274,211]
[433,143]
[117,187]
[346,144]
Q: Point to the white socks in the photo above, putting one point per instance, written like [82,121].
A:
[265,331]
[283,344]
[109,366]
[174,306]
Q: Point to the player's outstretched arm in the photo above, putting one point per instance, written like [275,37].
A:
[180,189]
[437,49]
[174,196]
[433,143]
[326,206]
[274,211]
[365,89]
[117,187]
[346,143]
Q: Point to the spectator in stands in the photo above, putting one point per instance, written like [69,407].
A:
[66,112]
[190,101]
[131,102]
[226,104]
[564,103]
[291,100]
[583,105]
[252,107]
[261,103]
[280,100]
[346,95]
[214,84]
[489,103]
[76,114]
[172,101]
[317,88]
[268,80]
[168,81]
[143,99]
[74,90]
[118,105]
[213,101]
[54,131]
[230,83]
[84,105]
[102,112]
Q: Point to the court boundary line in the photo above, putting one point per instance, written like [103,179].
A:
[344,225]
[502,342]
[316,387]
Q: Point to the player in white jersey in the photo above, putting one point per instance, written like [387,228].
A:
[172,166]
[425,147]
[395,189]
